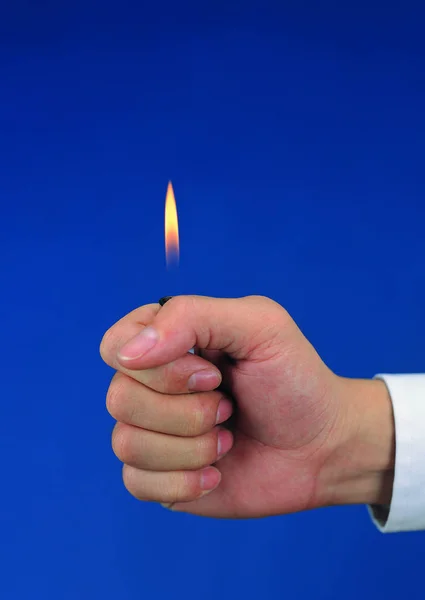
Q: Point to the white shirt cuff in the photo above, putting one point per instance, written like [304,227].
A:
[407,509]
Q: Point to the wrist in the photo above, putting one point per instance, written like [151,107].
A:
[360,470]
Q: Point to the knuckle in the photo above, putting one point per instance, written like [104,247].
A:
[116,398]
[197,422]
[176,487]
[258,299]
[202,416]
[106,345]
[154,379]
[122,443]
[129,481]
[176,491]
[172,377]
[264,303]
[272,316]
[255,298]
[146,377]
[206,450]
[194,424]
[181,490]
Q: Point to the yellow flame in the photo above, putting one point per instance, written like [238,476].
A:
[171,228]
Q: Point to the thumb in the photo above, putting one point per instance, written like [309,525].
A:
[241,327]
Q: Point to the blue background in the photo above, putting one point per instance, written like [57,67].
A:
[294,134]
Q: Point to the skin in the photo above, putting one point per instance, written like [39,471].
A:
[268,429]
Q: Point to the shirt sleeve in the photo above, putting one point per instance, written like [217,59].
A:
[406,511]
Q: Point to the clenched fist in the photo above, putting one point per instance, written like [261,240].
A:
[253,425]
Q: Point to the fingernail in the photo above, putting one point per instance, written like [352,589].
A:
[139,345]
[224,411]
[210,478]
[224,443]
[204,381]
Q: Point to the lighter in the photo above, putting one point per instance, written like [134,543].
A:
[163,300]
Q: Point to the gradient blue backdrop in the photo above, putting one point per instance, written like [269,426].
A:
[294,135]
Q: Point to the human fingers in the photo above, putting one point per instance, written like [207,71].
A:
[186,373]
[193,414]
[152,451]
[242,327]
[170,487]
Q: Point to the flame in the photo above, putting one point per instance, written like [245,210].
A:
[171,228]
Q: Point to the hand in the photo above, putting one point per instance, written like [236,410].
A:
[299,437]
